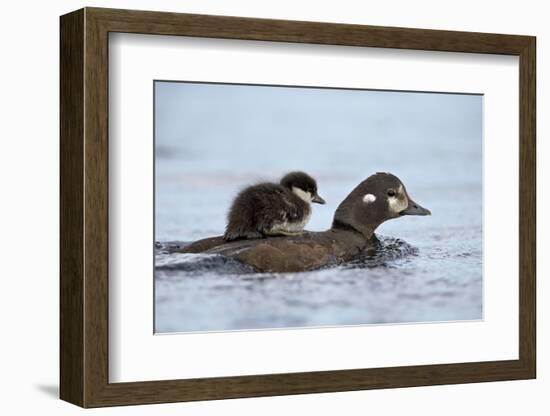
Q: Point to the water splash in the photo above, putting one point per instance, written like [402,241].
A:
[199,263]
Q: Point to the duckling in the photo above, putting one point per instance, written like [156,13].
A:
[378,198]
[271,209]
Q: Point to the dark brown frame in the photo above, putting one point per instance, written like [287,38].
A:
[84,208]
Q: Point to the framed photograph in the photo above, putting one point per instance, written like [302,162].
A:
[254,207]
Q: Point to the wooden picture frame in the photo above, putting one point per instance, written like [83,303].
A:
[84,207]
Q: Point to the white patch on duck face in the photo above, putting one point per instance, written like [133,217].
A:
[399,202]
[303,195]
[369,198]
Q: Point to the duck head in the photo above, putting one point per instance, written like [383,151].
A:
[378,198]
[303,185]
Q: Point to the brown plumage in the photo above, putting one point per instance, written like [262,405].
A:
[307,251]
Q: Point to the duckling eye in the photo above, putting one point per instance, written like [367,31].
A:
[391,192]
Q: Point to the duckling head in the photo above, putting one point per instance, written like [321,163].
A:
[303,185]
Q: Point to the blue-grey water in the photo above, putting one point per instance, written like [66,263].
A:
[212,140]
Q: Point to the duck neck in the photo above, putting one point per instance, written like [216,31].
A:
[352,216]
[365,231]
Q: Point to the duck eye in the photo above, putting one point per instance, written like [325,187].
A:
[391,192]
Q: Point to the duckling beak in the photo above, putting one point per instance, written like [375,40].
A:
[318,200]
[415,209]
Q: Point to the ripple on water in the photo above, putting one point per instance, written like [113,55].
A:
[395,282]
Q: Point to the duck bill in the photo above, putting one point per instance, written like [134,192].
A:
[415,209]
[318,200]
